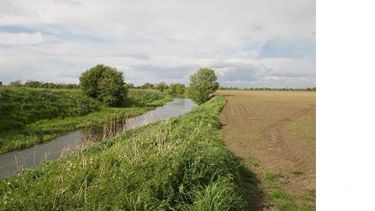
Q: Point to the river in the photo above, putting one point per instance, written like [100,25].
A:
[14,162]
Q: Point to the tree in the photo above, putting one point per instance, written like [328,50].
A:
[147,86]
[16,83]
[161,86]
[129,85]
[177,89]
[202,84]
[104,83]
[34,84]
[1,83]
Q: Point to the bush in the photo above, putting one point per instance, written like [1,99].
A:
[143,97]
[33,84]
[177,89]
[202,84]
[104,83]
[147,86]
[16,83]
[161,86]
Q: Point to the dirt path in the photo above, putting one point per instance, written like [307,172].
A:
[274,134]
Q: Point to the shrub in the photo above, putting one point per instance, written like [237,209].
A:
[147,86]
[177,89]
[202,84]
[33,84]
[161,86]
[16,83]
[104,83]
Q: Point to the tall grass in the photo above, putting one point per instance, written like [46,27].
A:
[179,164]
[21,106]
[42,129]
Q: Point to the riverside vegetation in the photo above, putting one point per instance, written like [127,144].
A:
[178,164]
[35,115]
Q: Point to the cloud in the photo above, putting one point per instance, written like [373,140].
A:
[11,39]
[246,41]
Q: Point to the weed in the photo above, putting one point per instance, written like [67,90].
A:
[296,172]
[272,176]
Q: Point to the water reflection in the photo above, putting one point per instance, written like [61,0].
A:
[13,162]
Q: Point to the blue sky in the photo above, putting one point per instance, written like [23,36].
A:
[247,42]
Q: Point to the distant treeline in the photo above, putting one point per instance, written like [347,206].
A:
[269,89]
[41,84]
[173,88]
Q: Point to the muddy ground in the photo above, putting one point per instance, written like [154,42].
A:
[273,133]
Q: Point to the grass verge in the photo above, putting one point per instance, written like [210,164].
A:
[140,101]
[179,164]
[282,199]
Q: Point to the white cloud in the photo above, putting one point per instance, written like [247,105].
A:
[15,39]
[151,39]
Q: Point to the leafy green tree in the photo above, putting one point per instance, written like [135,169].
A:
[33,84]
[147,86]
[129,85]
[16,83]
[104,83]
[161,86]
[1,83]
[177,89]
[203,83]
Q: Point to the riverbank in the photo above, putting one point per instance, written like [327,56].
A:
[36,131]
[176,164]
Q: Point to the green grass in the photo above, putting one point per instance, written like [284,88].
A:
[21,106]
[296,172]
[272,176]
[143,97]
[282,199]
[179,164]
[46,129]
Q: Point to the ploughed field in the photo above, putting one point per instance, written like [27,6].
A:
[273,132]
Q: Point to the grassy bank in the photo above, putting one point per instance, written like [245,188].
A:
[41,128]
[179,164]
[21,106]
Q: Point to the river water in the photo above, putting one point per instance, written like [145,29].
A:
[14,162]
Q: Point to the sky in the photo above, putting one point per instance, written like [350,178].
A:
[249,43]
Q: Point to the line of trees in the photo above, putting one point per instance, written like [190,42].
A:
[41,84]
[269,89]
[173,88]
[107,85]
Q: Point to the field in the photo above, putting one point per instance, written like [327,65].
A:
[244,150]
[178,164]
[31,116]
[273,133]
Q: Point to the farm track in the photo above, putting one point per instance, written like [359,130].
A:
[276,131]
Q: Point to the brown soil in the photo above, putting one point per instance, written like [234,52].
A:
[273,132]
